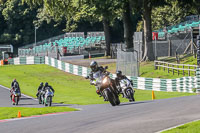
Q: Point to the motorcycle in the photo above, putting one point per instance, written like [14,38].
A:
[15,96]
[47,100]
[127,89]
[39,97]
[103,83]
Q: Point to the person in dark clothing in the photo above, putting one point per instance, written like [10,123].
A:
[95,68]
[15,85]
[44,89]
[40,89]
[119,77]
[14,81]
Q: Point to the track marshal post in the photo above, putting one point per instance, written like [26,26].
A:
[153,95]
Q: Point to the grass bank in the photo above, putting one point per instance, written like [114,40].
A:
[147,68]
[69,89]
[192,127]
[12,112]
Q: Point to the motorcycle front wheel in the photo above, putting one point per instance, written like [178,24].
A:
[40,99]
[49,101]
[17,100]
[110,97]
[130,95]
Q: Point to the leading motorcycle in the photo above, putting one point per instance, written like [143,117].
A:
[15,96]
[103,83]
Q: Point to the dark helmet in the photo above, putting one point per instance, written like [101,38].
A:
[41,83]
[119,73]
[94,66]
[46,84]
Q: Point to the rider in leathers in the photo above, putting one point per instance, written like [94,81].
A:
[40,89]
[95,68]
[15,84]
[44,89]
[118,78]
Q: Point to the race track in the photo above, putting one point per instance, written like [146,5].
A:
[138,117]
[5,100]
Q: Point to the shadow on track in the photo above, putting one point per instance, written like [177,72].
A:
[26,104]
[60,104]
[130,103]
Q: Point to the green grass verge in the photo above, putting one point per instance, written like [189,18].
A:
[69,89]
[12,112]
[192,127]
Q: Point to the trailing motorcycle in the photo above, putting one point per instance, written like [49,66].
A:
[39,97]
[127,89]
[103,83]
[15,96]
[47,100]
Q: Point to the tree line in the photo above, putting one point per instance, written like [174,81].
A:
[119,19]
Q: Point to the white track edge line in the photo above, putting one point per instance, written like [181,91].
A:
[176,126]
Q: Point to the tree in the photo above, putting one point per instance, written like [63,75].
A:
[94,11]
[128,24]
[145,7]
[171,14]
[17,20]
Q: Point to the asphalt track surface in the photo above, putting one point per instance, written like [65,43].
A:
[5,100]
[136,117]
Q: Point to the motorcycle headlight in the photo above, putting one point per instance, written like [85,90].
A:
[105,80]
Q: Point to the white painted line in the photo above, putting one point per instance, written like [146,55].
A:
[21,94]
[176,126]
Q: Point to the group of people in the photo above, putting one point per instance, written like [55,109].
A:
[43,88]
[116,83]
[94,68]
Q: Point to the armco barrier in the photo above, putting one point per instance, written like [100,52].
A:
[185,84]
[27,60]
[73,69]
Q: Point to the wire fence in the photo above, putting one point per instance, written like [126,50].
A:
[127,62]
